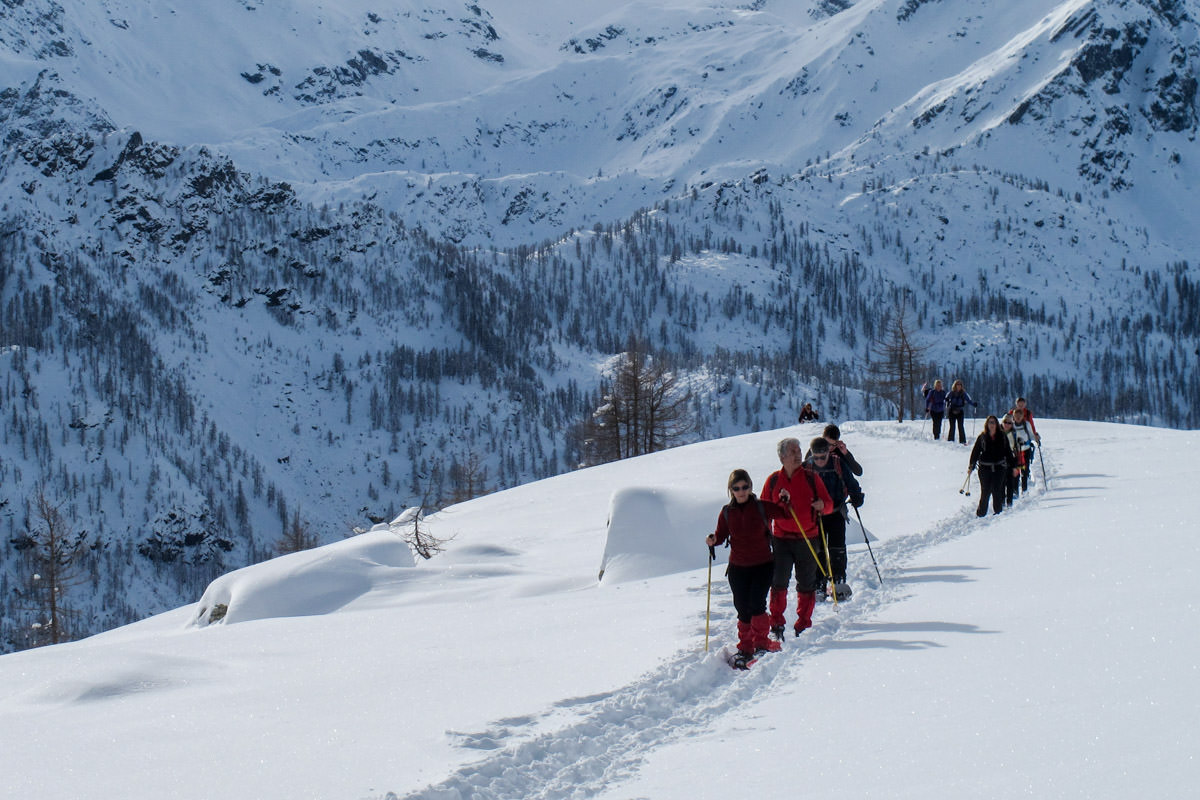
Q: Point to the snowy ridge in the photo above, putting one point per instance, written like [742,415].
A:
[550,684]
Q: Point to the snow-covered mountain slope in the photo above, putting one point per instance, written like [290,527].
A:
[505,669]
[265,262]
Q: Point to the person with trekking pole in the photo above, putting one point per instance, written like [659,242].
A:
[1024,434]
[995,462]
[935,405]
[842,486]
[956,411]
[1023,405]
[1012,486]
[833,435]
[744,526]
[795,539]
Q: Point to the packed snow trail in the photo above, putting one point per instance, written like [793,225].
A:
[682,697]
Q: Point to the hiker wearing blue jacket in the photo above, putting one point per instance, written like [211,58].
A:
[956,411]
[935,405]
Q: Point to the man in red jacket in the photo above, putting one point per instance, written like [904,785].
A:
[796,547]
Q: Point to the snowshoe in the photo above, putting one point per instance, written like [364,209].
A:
[742,660]
[772,646]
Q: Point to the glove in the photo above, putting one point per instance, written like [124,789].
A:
[857,499]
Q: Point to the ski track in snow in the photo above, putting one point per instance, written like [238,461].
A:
[681,698]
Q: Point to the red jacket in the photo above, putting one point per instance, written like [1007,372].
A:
[801,487]
[748,535]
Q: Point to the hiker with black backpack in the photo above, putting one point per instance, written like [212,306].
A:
[841,484]
[956,411]
[935,405]
[995,462]
[1026,436]
[1012,485]
[744,526]
[795,539]
[833,435]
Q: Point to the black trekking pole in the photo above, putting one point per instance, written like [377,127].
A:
[868,541]
[1045,482]
[712,556]
[966,487]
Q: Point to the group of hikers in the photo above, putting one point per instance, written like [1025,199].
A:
[798,524]
[1003,456]
[1003,453]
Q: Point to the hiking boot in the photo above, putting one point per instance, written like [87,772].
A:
[799,629]
[742,660]
[777,632]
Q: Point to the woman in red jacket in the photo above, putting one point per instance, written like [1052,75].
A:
[744,525]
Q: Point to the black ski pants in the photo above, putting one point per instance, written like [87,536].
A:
[992,481]
[936,416]
[749,586]
[795,554]
[835,532]
[1012,488]
[956,418]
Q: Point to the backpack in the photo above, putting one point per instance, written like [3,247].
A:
[812,487]
[761,513]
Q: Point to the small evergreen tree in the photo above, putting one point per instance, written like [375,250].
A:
[644,409]
[895,359]
[297,536]
[54,555]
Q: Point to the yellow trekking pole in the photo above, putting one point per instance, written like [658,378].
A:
[712,556]
[816,558]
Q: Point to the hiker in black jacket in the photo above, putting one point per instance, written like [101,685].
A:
[995,461]
[833,435]
[842,485]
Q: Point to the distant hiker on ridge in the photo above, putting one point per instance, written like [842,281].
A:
[808,413]
[956,403]
[935,405]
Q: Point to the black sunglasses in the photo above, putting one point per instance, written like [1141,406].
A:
[741,487]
